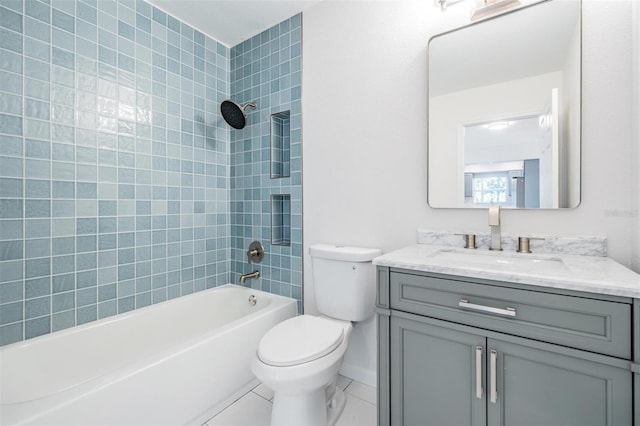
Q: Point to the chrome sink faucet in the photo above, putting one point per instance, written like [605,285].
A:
[494,224]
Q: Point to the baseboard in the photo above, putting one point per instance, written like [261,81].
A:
[368,377]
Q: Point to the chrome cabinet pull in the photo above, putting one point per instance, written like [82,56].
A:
[508,311]
[494,391]
[479,390]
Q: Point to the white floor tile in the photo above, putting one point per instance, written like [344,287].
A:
[362,391]
[357,413]
[250,410]
[343,382]
[264,391]
[254,409]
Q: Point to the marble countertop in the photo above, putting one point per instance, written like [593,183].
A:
[594,274]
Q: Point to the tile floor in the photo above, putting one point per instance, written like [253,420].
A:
[254,408]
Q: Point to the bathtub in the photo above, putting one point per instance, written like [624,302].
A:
[173,363]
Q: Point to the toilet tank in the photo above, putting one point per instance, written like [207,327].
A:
[344,280]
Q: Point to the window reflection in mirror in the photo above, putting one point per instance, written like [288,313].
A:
[504,110]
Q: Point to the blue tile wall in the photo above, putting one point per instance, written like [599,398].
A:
[120,185]
[281,219]
[266,69]
[114,163]
[280,144]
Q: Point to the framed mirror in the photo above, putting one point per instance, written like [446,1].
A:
[504,111]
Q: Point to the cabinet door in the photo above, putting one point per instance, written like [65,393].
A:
[434,375]
[539,386]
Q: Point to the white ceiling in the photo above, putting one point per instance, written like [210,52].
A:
[232,21]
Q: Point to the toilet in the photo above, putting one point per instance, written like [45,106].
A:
[299,358]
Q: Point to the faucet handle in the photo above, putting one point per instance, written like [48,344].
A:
[494,215]
[255,253]
[469,241]
[523,244]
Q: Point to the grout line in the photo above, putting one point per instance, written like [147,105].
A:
[346,391]
[363,400]
[257,394]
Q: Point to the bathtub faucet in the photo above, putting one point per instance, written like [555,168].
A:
[251,276]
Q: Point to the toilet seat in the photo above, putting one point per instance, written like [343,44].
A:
[299,340]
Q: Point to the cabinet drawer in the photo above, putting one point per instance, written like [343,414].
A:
[594,325]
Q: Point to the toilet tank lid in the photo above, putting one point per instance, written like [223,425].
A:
[344,253]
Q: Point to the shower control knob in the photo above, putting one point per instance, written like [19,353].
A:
[255,254]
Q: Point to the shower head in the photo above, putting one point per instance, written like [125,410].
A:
[234,114]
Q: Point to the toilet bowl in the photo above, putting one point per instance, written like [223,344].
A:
[299,360]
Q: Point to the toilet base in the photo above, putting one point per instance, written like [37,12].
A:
[307,409]
[335,406]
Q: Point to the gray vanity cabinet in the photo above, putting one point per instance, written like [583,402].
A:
[444,362]
[436,386]
[545,387]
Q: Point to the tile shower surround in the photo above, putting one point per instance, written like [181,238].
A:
[266,69]
[115,187]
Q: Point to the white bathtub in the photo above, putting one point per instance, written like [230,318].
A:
[173,363]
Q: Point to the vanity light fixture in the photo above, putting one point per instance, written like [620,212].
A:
[443,4]
[486,8]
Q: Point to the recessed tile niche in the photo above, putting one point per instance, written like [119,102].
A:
[280,144]
[281,219]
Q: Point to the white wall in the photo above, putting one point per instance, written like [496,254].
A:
[364,136]
[635,177]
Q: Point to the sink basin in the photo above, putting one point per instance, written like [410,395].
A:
[498,261]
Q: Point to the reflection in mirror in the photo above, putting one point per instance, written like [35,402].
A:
[510,163]
[504,110]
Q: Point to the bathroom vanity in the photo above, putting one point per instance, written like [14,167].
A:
[471,337]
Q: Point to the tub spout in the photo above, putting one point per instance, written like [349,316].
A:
[251,276]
